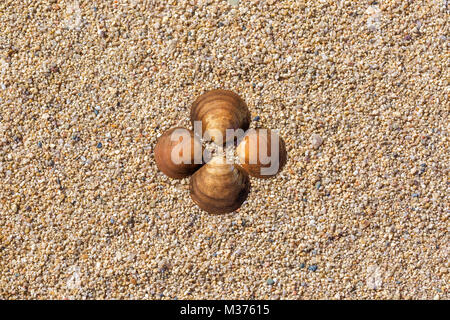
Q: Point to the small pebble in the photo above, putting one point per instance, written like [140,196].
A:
[316,141]
[312,268]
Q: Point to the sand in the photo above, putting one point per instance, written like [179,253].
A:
[358,89]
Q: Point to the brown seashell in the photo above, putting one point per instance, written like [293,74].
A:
[219,187]
[219,110]
[253,162]
[177,158]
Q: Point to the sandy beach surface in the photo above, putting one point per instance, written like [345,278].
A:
[359,91]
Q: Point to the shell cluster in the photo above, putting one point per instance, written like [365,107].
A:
[219,186]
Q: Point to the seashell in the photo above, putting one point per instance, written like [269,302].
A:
[256,155]
[178,153]
[219,110]
[219,187]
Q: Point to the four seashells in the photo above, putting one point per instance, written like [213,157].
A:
[219,110]
[219,187]
[178,153]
